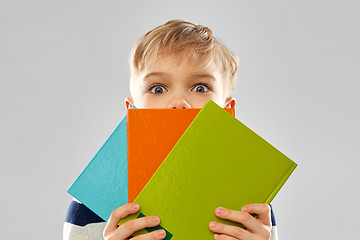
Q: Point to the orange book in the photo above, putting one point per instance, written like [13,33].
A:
[151,134]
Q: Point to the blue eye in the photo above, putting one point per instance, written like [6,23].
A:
[157,89]
[201,88]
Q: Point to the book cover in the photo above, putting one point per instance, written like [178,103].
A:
[218,161]
[104,185]
[152,133]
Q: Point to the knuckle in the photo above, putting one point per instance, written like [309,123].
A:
[244,217]
[148,236]
[118,211]
[227,212]
[224,212]
[122,212]
[154,235]
[248,206]
[149,220]
[238,232]
[141,237]
[219,227]
[129,224]
[114,213]
[266,233]
[225,237]
[267,208]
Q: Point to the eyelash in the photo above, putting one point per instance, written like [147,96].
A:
[161,85]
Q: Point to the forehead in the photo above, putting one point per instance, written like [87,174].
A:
[180,62]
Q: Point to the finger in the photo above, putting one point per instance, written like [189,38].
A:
[232,231]
[248,221]
[118,214]
[131,226]
[158,234]
[223,237]
[262,210]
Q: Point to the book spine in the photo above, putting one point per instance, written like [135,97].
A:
[281,183]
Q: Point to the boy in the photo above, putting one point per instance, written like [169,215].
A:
[176,65]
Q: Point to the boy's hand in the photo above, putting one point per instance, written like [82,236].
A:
[114,232]
[256,228]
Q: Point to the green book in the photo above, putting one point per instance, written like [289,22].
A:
[217,162]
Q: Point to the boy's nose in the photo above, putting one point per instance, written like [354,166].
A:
[179,103]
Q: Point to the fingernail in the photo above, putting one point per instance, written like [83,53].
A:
[212,224]
[135,205]
[156,219]
[216,236]
[219,211]
[162,233]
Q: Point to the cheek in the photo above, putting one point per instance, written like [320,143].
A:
[199,101]
[150,101]
[218,99]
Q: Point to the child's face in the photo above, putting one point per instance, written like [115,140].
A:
[167,83]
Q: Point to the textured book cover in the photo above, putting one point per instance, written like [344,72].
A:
[218,161]
[103,184]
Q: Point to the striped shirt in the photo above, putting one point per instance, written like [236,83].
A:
[83,224]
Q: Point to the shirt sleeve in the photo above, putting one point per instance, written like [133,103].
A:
[82,224]
[274,235]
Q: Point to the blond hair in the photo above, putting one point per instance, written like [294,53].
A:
[184,39]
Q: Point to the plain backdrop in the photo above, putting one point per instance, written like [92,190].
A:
[64,77]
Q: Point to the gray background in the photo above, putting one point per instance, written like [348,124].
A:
[64,76]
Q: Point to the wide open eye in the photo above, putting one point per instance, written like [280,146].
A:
[157,89]
[201,88]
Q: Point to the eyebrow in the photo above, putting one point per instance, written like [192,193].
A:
[160,74]
[202,75]
[192,76]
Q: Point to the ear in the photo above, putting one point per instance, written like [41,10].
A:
[230,102]
[129,103]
